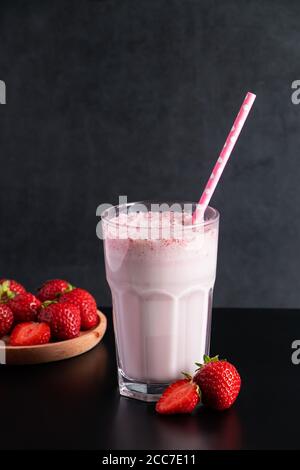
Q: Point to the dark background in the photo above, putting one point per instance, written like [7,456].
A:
[106,98]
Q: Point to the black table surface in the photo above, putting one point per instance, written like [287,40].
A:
[74,404]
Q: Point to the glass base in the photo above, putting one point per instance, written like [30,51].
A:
[140,390]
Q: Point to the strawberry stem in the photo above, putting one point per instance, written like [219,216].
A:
[187,376]
[48,302]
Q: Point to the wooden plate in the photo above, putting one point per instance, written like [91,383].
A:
[17,355]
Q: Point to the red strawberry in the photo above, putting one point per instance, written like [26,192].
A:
[9,287]
[24,306]
[63,319]
[219,382]
[180,397]
[87,305]
[6,319]
[50,290]
[30,333]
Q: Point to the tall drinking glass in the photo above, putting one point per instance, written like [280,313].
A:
[161,270]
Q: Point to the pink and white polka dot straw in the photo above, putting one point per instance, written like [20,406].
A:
[224,156]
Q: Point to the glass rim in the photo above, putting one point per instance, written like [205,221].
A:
[213,218]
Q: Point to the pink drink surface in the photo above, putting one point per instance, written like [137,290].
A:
[162,292]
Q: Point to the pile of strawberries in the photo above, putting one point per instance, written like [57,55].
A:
[57,312]
[216,384]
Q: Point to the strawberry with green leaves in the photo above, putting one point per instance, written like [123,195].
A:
[216,381]
[25,306]
[86,304]
[52,289]
[219,382]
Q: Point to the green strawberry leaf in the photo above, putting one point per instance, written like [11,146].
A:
[206,360]
[5,292]
[213,359]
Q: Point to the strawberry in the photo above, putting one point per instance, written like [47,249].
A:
[30,333]
[87,305]
[6,319]
[219,382]
[63,319]
[180,397]
[24,306]
[9,288]
[50,290]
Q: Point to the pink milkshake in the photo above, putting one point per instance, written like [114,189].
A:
[161,271]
